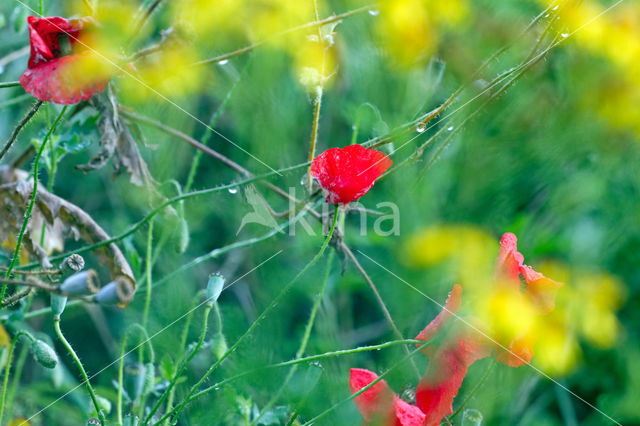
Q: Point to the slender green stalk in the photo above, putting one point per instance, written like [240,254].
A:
[183,364]
[76,360]
[307,359]
[14,135]
[148,267]
[475,389]
[305,340]
[7,369]
[9,84]
[315,125]
[254,325]
[32,200]
[123,348]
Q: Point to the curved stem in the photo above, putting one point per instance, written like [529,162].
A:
[76,360]
[14,135]
[34,193]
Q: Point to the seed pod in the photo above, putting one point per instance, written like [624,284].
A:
[75,263]
[81,284]
[118,292]
[215,285]
[44,354]
[58,303]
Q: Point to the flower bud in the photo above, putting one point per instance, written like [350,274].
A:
[183,229]
[81,284]
[118,292]
[219,345]
[75,263]
[214,287]
[44,354]
[104,404]
[135,378]
[150,378]
[58,303]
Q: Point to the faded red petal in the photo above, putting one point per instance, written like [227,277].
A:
[510,260]
[53,82]
[379,403]
[451,306]
[52,77]
[348,173]
[519,353]
[541,289]
[445,373]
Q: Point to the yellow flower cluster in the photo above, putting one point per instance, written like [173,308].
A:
[613,34]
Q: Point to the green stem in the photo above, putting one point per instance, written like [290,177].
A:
[148,267]
[305,340]
[32,200]
[9,84]
[315,125]
[76,360]
[305,360]
[183,364]
[253,326]
[14,135]
[7,372]
[475,389]
[123,348]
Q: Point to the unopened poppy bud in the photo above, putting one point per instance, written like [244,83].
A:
[44,354]
[135,379]
[183,229]
[219,345]
[58,303]
[215,285]
[81,284]
[104,404]
[150,378]
[75,263]
[118,292]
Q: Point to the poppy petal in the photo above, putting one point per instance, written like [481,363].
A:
[348,173]
[451,306]
[379,403]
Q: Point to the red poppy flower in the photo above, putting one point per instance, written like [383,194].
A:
[54,71]
[348,173]
[541,290]
[449,361]
[379,404]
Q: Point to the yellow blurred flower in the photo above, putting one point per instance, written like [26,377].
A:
[409,28]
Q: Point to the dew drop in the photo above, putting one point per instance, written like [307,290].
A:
[233,190]
[420,128]
[374,12]
[223,62]
[555,7]
[546,16]
[564,35]
[450,128]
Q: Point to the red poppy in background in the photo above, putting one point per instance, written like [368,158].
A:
[54,71]
[457,347]
[379,404]
[346,174]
